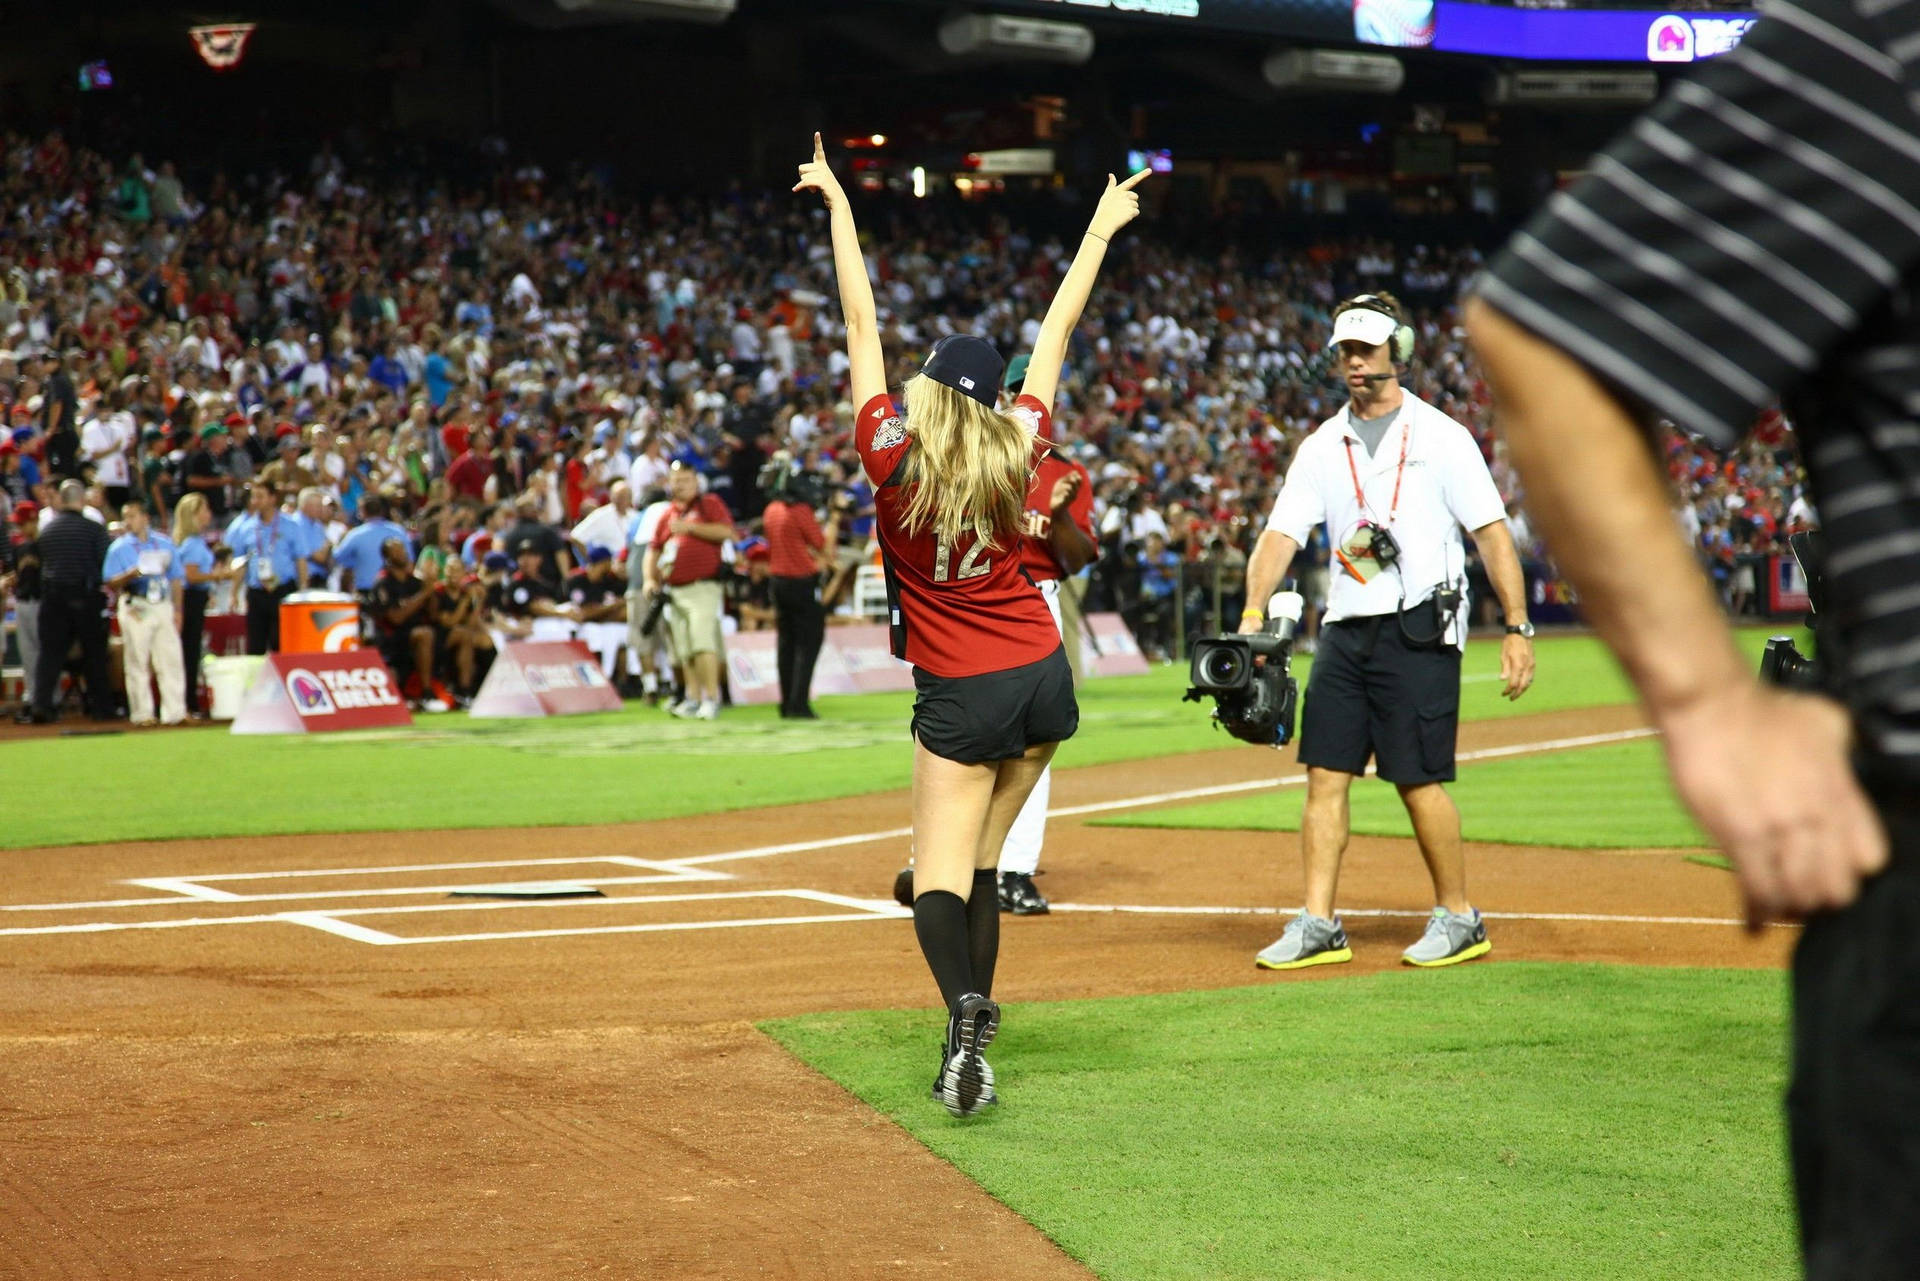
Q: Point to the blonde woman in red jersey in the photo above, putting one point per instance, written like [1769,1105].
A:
[994,692]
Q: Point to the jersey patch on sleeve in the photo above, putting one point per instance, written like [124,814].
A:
[889,433]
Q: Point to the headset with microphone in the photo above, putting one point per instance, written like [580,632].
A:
[1400,341]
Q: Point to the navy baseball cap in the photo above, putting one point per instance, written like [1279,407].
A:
[597,554]
[497,560]
[967,364]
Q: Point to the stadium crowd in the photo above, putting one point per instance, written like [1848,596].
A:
[469,405]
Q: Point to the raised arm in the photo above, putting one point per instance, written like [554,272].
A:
[867,367]
[1118,206]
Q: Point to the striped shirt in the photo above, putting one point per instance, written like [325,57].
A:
[72,549]
[1757,235]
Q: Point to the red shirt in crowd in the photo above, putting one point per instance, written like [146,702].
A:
[694,558]
[959,609]
[792,533]
[467,475]
[1036,553]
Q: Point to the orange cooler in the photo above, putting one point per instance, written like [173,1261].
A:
[319,623]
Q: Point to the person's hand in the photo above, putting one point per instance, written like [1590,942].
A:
[1252,621]
[1063,491]
[679,525]
[1766,772]
[1516,666]
[1119,205]
[815,175]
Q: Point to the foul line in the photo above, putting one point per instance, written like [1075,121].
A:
[1603,918]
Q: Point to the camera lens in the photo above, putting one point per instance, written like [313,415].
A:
[1223,667]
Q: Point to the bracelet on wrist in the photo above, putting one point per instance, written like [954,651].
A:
[1245,614]
[1095,236]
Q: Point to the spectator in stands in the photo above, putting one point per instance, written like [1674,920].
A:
[206,472]
[609,526]
[530,531]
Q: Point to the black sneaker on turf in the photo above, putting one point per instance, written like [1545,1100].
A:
[966,1081]
[1017,895]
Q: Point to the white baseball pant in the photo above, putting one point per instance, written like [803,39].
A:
[1020,852]
[150,646]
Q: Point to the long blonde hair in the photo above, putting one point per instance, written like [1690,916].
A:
[969,467]
[186,517]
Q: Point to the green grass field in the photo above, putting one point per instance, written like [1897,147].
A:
[1507,1121]
[449,771]
[1614,796]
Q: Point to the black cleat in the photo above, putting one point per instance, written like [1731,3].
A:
[966,1081]
[1017,895]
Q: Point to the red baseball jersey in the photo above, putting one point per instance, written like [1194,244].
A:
[958,609]
[1036,553]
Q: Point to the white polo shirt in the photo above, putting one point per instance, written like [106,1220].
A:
[1444,487]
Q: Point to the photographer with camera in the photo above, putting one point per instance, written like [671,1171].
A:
[1394,480]
[685,557]
[799,552]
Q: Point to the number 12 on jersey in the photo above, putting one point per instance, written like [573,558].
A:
[971,566]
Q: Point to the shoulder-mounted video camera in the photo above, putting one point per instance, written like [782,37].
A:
[657,603]
[780,481]
[1782,663]
[1253,700]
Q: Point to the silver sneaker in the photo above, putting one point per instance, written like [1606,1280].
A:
[966,1080]
[1450,939]
[1307,940]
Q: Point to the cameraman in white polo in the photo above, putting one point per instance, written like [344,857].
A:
[1394,480]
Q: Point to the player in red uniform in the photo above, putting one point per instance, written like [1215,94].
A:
[994,692]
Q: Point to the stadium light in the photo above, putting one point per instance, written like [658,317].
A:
[878,140]
[919,182]
[221,46]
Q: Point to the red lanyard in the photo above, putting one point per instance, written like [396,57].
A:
[1406,433]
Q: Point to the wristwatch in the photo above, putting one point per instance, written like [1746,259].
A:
[1520,629]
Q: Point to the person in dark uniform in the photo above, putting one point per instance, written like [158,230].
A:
[459,614]
[72,550]
[403,612]
[994,692]
[1755,235]
[799,552]
[531,594]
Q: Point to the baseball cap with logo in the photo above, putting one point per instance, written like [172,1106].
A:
[967,364]
[24,511]
[1363,324]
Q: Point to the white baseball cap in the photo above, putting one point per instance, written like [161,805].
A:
[1363,324]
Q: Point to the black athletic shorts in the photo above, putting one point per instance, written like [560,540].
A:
[1373,695]
[995,716]
[1853,1108]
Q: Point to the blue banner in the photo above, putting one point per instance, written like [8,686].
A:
[1589,35]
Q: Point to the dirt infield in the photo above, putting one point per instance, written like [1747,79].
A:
[360,1075]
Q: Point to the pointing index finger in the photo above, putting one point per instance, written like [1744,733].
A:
[1135,180]
[819,150]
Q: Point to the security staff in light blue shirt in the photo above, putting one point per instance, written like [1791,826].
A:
[309,524]
[143,568]
[266,537]
[358,555]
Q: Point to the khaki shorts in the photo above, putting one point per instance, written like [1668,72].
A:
[693,619]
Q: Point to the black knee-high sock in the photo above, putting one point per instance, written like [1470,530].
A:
[940,922]
[983,928]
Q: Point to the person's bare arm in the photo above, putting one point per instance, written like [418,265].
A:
[866,364]
[1502,560]
[1118,206]
[1765,771]
[1071,547]
[1272,556]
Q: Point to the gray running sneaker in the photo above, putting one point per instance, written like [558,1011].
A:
[966,1081]
[1307,940]
[1450,939]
